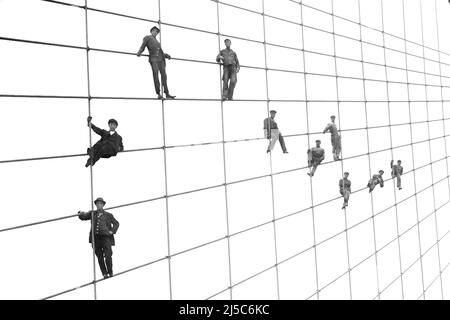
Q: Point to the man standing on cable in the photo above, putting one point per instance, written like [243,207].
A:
[231,67]
[157,59]
[397,171]
[376,179]
[315,156]
[335,138]
[345,189]
[272,133]
[105,226]
[109,144]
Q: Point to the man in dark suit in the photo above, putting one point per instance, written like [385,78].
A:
[109,144]
[157,59]
[105,226]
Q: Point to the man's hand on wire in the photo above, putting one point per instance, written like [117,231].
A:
[168,56]
[89,119]
[138,54]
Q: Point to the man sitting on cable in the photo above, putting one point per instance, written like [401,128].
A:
[376,179]
[315,156]
[109,144]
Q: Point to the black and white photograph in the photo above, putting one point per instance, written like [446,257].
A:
[203,150]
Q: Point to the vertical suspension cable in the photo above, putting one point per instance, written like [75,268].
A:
[392,152]
[270,153]
[412,146]
[368,148]
[430,155]
[442,93]
[309,147]
[224,160]
[442,108]
[90,146]
[342,154]
[169,256]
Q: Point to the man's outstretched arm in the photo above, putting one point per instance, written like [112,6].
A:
[84,215]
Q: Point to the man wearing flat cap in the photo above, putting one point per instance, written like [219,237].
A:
[157,59]
[315,157]
[396,172]
[109,144]
[345,189]
[105,226]
[335,138]
[228,58]
[272,133]
[376,179]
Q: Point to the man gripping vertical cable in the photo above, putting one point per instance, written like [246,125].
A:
[231,67]
[109,144]
[157,59]
[105,227]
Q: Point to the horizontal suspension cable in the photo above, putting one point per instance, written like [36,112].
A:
[277,45]
[433,281]
[244,9]
[422,72]
[221,185]
[220,142]
[412,264]
[214,100]
[238,283]
[283,261]
[372,28]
